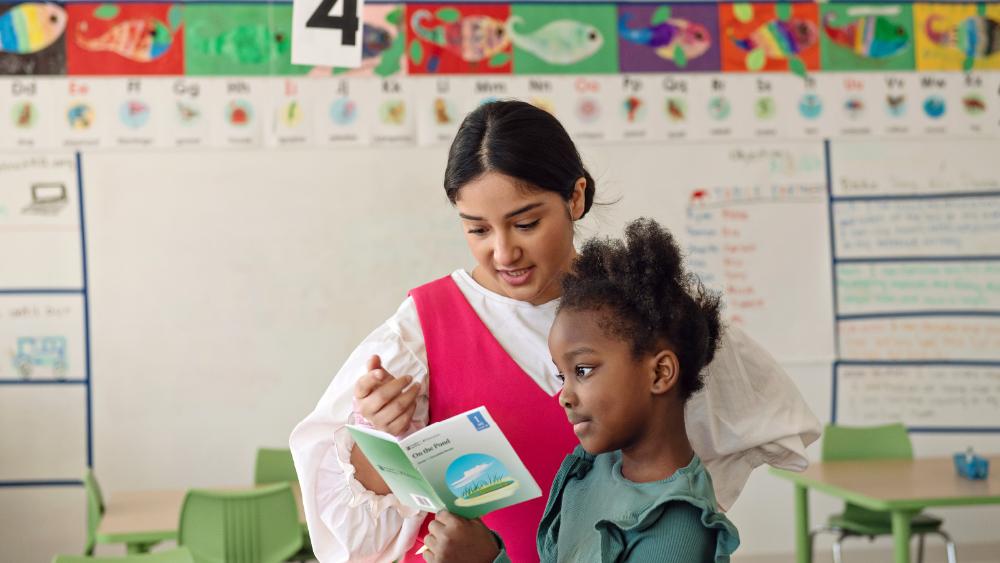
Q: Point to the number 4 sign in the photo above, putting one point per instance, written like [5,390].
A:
[325,32]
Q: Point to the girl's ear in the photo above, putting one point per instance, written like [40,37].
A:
[578,200]
[667,371]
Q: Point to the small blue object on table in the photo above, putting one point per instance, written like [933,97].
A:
[971,466]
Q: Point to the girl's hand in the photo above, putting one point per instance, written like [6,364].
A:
[451,538]
[382,401]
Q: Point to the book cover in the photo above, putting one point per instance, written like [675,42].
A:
[463,464]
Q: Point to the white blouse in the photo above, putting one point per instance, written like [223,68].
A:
[748,414]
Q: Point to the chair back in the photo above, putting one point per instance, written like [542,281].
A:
[889,441]
[254,526]
[274,465]
[846,443]
[95,509]
[178,555]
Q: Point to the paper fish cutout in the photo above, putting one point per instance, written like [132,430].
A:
[560,42]
[30,27]
[675,39]
[872,37]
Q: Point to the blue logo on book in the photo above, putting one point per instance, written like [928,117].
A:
[478,421]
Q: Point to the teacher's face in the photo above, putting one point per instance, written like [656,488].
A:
[522,238]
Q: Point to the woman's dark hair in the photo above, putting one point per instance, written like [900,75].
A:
[646,298]
[518,140]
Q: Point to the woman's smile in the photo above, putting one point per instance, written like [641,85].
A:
[517,277]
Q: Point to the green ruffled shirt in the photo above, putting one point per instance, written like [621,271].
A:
[596,514]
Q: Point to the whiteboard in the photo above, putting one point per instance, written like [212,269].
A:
[916,230]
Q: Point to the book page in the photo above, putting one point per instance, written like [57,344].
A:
[470,464]
[396,468]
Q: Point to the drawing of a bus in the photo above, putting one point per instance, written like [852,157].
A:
[46,351]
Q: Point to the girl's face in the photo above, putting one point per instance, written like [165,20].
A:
[606,390]
[521,239]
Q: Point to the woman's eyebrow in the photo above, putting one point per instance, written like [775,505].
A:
[514,213]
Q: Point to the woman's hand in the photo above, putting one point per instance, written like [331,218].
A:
[451,538]
[382,400]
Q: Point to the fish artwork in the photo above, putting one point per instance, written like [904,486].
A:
[560,42]
[779,40]
[675,39]
[977,37]
[872,37]
[244,44]
[141,40]
[31,27]
[473,38]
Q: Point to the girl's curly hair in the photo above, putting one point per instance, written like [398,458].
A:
[646,298]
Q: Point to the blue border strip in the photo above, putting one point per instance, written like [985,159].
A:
[52,291]
[43,381]
[920,363]
[42,483]
[86,311]
[917,197]
[897,259]
[911,314]
[833,277]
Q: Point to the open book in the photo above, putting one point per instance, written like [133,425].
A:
[463,464]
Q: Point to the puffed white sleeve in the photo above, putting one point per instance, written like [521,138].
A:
[346,521]
[749,413]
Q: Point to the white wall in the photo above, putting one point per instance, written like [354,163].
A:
[227,287]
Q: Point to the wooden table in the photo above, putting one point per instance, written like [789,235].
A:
[141,519]
[900,487]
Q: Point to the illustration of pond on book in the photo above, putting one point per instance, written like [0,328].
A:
[463,464]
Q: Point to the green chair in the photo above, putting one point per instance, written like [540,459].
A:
[275,465]
[255,526]
[95,509]
[843,443]
[178,555]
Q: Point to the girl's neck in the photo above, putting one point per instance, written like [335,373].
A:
[660,451]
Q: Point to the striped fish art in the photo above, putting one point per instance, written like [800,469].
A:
[141,39]
[31,27]
[872,37]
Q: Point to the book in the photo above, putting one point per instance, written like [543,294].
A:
[463,464]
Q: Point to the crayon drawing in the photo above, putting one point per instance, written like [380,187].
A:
[125,39]
[32,38]
[867,37]
[668,38]
[957,37]
[769,37]
[459,39]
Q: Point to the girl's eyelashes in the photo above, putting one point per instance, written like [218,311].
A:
[527,226]
[582,372]
[561,377]
[477,231]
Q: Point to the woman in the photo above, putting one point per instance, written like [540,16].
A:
[480,337]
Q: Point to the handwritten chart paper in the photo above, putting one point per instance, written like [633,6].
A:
[917,282]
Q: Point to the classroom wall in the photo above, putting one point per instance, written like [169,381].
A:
[226,289]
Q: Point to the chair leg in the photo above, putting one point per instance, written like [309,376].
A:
[920,548]
[838,556]
[949,545]
[816,532]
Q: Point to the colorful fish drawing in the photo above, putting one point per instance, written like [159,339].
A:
[777,39]
[472,38]
[560,42]
[244,44]
[872,37]
[675,39]
[30,27]
[976,36]
[140,40]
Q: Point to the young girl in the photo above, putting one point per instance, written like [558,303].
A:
[631,338]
